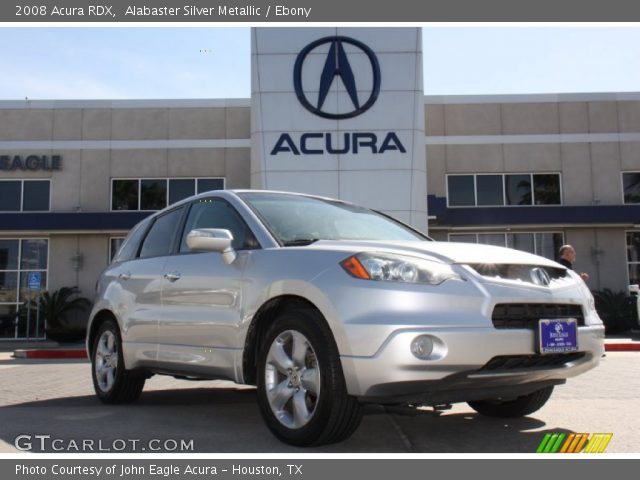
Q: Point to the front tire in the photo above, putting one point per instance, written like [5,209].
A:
[520,407]
[111,381]
[301,389]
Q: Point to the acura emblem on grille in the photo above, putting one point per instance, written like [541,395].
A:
[539,276]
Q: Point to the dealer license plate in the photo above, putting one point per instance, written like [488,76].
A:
[558,335]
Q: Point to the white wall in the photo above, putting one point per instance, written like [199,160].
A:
[392,181]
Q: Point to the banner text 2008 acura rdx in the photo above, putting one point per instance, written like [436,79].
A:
[326,306]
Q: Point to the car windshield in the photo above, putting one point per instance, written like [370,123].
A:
[299,220]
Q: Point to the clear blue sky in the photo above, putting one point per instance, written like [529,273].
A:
[111,63]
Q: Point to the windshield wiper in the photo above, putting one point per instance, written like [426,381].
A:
[298,242]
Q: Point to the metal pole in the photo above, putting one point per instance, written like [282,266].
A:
[28,314]
[38,319]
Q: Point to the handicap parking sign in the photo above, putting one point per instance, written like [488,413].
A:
[34,280]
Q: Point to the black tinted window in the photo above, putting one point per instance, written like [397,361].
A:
[518,189]
[36,195]
[132,243]
[547,189]
[153,194]
[489,190]
[631,183]
[10,192]
[461,191]
[160,237]
[124,195]
[214,213]
[207,184]
[180,189]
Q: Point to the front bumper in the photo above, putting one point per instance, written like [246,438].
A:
[394,375]
[374,324]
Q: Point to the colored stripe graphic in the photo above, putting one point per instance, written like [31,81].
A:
[574,443]
[598,443]
[550,443]
[543,443]
[556,445]
[567,443]
[578,443]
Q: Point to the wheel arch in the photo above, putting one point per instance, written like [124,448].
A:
[97,320]
[263,317]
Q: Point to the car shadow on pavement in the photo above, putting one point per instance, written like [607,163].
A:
[219,420]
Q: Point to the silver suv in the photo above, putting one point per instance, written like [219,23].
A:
[326,306]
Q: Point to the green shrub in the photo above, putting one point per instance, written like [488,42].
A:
[54,308]
[617,310]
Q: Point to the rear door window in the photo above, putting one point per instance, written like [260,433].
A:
[159,240]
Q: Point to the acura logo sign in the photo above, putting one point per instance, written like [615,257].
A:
[336,64]
[539,276]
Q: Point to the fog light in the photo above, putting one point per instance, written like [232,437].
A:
[422,347]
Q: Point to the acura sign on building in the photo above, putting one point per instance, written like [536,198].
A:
[339,112]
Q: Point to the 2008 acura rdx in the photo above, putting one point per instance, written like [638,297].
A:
[325,306]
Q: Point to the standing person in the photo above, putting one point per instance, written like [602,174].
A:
[567,257]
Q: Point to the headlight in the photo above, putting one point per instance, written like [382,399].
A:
[397,268]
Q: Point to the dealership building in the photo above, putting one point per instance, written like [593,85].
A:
[339,112]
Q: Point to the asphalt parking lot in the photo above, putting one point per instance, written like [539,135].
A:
[55,398]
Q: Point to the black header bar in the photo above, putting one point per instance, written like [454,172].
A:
[307,11]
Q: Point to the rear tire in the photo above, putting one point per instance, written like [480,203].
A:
[520,407]
[111,381]
[301,389]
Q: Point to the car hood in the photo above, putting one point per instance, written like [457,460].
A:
[448,252]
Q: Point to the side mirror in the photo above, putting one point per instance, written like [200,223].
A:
[212,240]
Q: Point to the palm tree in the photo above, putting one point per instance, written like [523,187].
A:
[54,308]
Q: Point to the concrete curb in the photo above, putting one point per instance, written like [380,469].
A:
[53,353]
[622,347]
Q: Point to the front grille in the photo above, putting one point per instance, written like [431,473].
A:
[527,315]
[521,273]
[519,362]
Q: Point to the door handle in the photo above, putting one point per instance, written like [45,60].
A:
[124,276]
[172,276]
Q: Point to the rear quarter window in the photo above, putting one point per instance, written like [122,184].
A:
[131,245]
[162,233]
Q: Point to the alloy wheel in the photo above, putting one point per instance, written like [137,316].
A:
[106,361]
[292,379]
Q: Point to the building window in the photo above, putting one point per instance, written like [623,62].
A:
[157,193]
[522,241]
[518,189]
[633,257]
[114,246]
[18,259]
[209,184]
[460,191]
[25,195]
[181,188]
[153,194]
[497,190]
[545,244]
[631,187]
[546,189]
[490,191]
